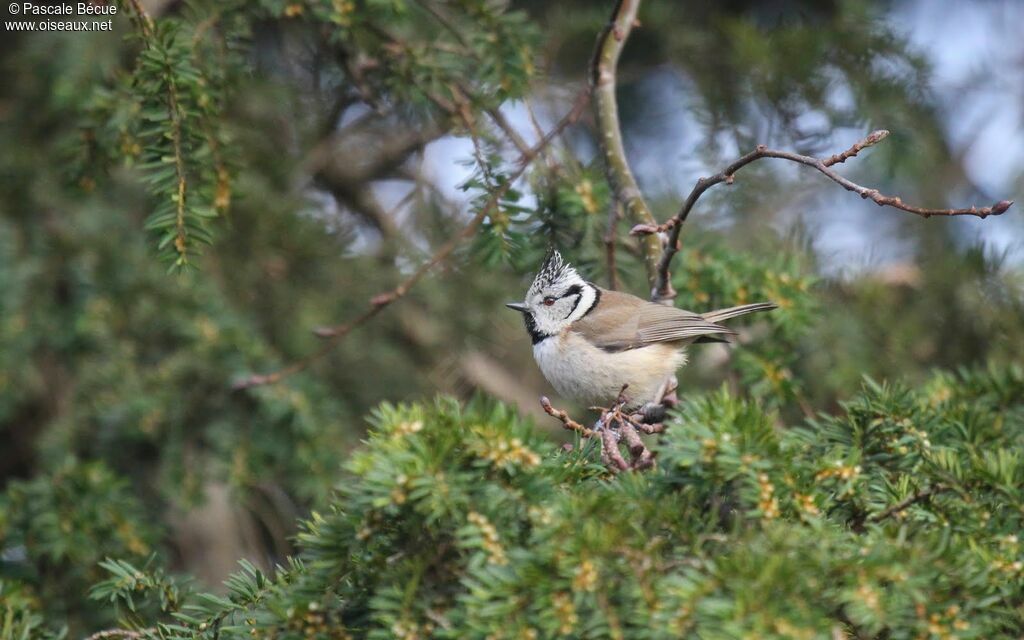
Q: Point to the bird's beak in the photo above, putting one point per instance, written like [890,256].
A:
[517,306]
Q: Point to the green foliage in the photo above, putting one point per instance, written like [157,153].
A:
[115,401]
[164,116]
[951,310]
[713,275]
[20,616]
[62,525]
[135,340]
[898,517]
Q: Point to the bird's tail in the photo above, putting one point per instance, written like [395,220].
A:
[742,310]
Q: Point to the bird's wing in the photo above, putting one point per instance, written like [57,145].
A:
[621,321]
[742,310]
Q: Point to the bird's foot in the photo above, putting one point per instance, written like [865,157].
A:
[651,413]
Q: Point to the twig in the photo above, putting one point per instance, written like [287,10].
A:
[537,129]
[923,494]
[649,429]
[663,285]
[642,456]
[145,21]
[567,422]
[380,301]
[554,164]
[609,132]
[174,110]
[873,138]
[614,424]
[510,132]
[610,451]
[110,634]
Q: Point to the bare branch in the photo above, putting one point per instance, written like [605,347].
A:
[642,456]
[613,424]
[663,285]
[567,422]
[873,138]
[334,334]
[609,132]
[116,634]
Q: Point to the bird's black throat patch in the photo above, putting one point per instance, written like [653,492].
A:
[536,335]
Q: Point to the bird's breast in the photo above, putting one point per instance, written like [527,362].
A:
[582,372]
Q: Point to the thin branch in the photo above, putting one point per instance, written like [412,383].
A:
[566,421]
[642,456]
[873,138]
[145,21]
[663,285]
[180,243]
[112,634]
[537,129]
[613,425]
[923,494]
[609,131]
[502,122]
[335,334]
[478,151]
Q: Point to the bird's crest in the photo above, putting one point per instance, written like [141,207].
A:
[554,270]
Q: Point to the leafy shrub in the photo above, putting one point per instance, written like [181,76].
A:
[897,518]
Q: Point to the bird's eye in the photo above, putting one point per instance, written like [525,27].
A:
[548,301]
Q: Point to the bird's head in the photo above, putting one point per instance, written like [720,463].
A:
[558,297]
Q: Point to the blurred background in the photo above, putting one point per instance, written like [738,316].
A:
[121,434]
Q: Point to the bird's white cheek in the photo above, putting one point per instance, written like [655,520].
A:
[547,322]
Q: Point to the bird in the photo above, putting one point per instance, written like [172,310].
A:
[589,342]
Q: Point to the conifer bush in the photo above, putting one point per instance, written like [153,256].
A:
[898,517]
